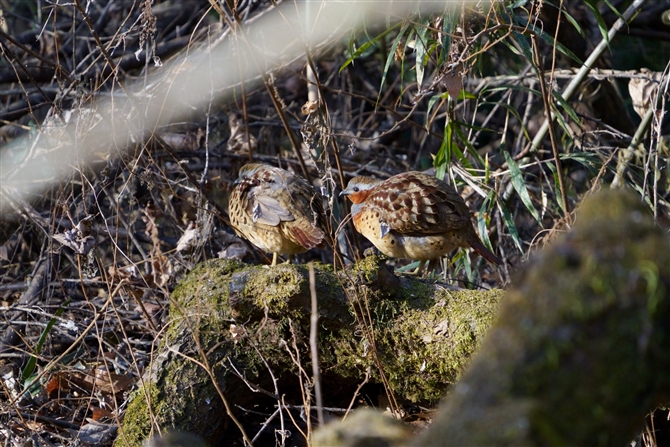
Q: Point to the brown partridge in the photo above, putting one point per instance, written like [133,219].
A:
[275,210]
[413,216]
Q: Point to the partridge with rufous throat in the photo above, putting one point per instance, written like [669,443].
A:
[413,216]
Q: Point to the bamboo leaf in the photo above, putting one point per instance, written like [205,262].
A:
[557,187]
[391,55]
[356,53]
[507,217]
[602,26]
[520,186]
[421,51]
[566,106]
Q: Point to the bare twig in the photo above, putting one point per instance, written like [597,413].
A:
[628,14]
[313,327]
[546,94]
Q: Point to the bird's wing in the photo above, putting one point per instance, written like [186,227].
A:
[414,203]
[306,204]
[268,210]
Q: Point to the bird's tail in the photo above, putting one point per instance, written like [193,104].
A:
[485,252]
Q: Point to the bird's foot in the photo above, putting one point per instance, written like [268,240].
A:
[416,272]
[275,258]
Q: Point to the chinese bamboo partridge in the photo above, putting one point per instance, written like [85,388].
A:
[275,210]
[413,216]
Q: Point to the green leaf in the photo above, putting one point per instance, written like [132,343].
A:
[569,18]
[573,22]
[520,185]
[420,46]
[514,112]
[365,46]
[507,217]
[32,385]
[466,95]
[30,366]
[473,127]
[467,267]
[505,87]
[391,55]
[557,186]
[561,121]
[468,145]
[618,14]
[481,222]
[524,43]
[602,26]
[450,22]
[517,4]
[566,106]
[590,160]
[444,154]
[544,36]
[460,156]
[431,104]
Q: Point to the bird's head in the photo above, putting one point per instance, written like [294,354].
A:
[359,188]
[249,170]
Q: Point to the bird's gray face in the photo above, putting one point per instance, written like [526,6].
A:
[358,188]
[359,184]
[247,171]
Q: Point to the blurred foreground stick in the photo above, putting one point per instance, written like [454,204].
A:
[581,348]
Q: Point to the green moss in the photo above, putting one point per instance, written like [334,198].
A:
[363,427]
[424,335]
[247,314]
[274,287]
[136,425]
[425,350]
[574,357]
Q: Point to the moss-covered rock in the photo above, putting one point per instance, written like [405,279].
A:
[249,317]
[363,427]
[579,353]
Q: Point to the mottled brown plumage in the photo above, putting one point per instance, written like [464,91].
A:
[413,216]
[275,210]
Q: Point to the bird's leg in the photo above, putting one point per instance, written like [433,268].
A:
[274,259]
[288,259]
[431,269]
[418,270]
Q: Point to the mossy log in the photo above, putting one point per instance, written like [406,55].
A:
[581,349]
[250,317]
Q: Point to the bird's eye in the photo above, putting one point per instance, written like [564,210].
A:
[356,189]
